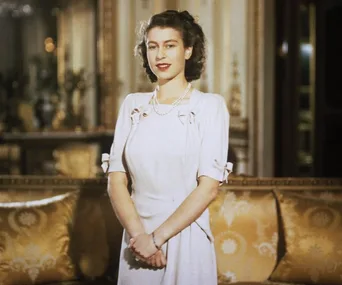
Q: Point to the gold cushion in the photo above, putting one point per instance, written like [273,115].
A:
[77,160]
[89,245]
[244,225]
[258,283]
[313,234]
[35,239]
[30,193]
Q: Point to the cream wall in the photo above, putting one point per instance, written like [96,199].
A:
[235,29]
[76,48]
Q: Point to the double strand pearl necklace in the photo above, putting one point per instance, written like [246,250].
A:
[155,102]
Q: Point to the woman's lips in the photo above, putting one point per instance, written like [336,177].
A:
[163,66]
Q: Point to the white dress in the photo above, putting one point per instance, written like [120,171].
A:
[164,156]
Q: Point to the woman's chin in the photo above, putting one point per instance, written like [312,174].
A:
[164,78]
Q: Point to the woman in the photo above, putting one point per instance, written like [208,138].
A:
[172,144]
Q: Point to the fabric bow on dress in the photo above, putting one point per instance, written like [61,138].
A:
[226,168]
[105,162]
[186,116]
[138,113]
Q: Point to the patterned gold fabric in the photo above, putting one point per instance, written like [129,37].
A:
[258,283]
[244,225]
[89,246]
[35,239]
[78,160]
[100,281]
[313,235]
[17,194]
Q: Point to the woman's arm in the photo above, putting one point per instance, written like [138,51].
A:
[123,205]
[125,211]
[189,211]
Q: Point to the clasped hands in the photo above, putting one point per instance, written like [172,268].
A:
[144,249]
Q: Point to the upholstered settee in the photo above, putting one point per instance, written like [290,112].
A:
[63,231]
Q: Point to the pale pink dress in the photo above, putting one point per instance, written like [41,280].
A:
[164,156]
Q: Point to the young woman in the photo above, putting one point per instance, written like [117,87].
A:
[172,144]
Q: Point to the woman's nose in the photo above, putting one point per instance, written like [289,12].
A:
[161,53]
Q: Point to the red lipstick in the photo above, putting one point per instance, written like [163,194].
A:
[163,66]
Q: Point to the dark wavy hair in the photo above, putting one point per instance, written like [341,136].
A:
[192,35]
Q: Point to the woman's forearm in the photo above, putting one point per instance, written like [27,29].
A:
[190,210]
[123,205]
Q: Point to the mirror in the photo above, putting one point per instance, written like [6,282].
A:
[48,65]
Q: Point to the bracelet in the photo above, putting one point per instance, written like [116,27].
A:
[154,241]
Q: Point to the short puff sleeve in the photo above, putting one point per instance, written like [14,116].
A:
[214,131]
[122,129]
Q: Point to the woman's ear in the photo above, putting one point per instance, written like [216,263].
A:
[188,53]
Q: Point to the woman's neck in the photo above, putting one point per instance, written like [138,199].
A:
[171,89]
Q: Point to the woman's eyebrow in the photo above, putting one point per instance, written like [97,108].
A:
[167,41]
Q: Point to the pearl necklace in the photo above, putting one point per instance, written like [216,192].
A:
[155,102]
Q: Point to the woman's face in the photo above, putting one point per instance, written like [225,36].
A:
[166,53]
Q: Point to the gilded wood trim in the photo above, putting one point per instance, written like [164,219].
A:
[107,56]
[312,27]
[256,81]
[235,182]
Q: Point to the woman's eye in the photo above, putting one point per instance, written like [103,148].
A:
[151,47]
[170,46]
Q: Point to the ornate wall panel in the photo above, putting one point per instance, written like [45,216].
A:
[261,98]
[109,84]
[255,79]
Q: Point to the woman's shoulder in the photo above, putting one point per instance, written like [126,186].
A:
[210,100]
[139,95]
[138,98]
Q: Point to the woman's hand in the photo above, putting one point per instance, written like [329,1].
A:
[157,260]
[145,250]
[143,246]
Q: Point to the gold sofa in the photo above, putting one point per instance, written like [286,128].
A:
[63,231]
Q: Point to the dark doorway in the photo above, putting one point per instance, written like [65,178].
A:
[308,88]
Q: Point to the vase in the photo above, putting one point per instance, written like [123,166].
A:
[44,111]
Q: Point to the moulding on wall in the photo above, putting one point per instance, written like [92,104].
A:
[109,84]
[36,183]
